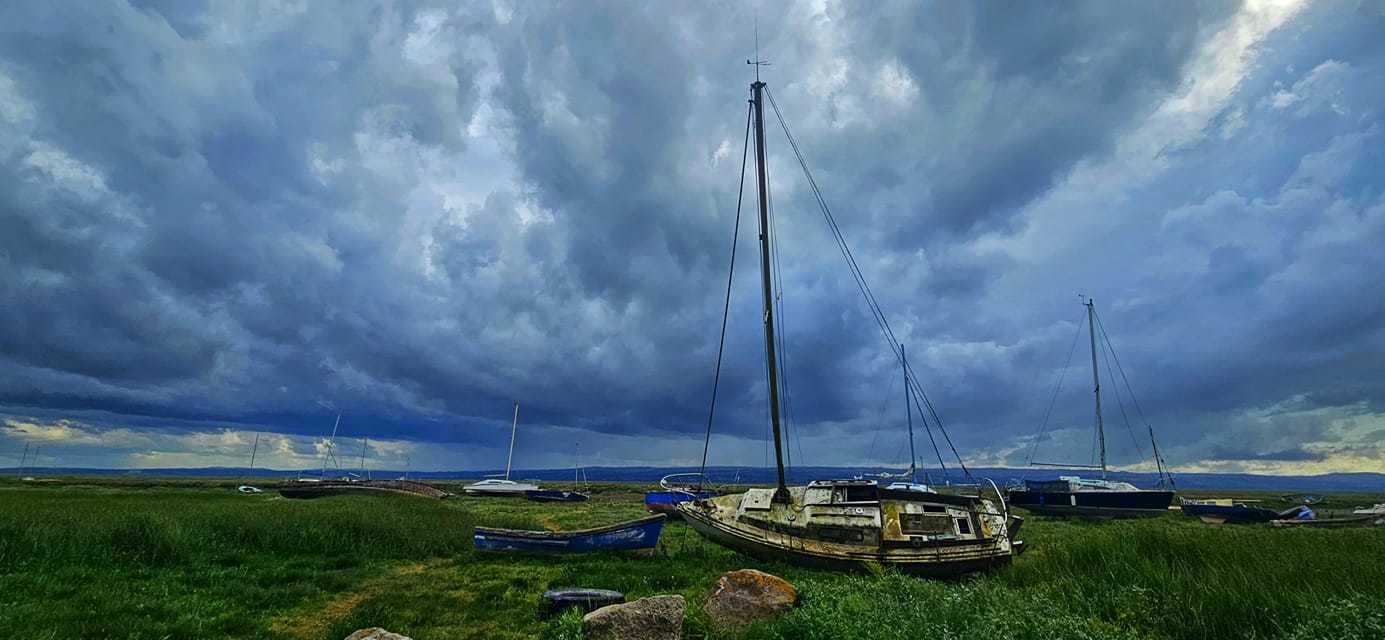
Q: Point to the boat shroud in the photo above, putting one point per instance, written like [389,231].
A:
[621,536]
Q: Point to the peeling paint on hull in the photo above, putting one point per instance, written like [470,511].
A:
[936,558]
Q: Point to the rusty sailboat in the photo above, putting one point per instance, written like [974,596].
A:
[845,524]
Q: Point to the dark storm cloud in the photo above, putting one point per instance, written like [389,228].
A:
[415,213]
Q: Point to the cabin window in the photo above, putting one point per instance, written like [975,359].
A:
[856,494]
[839,534]
[919,523]
[963,526]
[934,508]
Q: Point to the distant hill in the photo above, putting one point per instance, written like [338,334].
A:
[754,475]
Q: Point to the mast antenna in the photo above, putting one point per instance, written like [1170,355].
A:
[757,62]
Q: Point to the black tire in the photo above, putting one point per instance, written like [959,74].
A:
[557,601]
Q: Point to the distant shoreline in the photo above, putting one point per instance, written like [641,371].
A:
[1364,481]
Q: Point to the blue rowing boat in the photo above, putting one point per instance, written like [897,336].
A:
[1224,510]
[679,487]
[622,536]
[554,495]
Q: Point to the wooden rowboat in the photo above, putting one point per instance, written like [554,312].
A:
[310,490]
[622,536]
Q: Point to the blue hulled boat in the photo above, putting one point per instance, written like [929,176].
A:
[622,536]
[676,488]
[1087,497]
[555,495]
[1090,497]
[1223,510]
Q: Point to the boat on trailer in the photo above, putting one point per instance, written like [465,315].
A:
[844,524]
[1090,497]
[621,536]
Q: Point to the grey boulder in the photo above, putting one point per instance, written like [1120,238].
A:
[655,618]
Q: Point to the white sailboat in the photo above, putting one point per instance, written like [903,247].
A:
[503,486]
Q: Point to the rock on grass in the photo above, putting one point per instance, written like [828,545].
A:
[376,633]
[656,618]
[746,596]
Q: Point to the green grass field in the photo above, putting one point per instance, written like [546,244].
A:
[120,559]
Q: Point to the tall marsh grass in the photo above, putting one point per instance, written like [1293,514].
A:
[195,562]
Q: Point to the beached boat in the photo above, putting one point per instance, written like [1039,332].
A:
[843,524]
[1088,497]
[555,495]
[1225,510]
[1330,523]
[622,536]
[856,524]
[331,488]
[579,478]
[503,487]
[676,488]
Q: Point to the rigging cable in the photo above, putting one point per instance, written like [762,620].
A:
[1043,426]
[1158,461]
[929,430]
[782,362]
[1111,375]
[726,308]
[871,302]
[880,420]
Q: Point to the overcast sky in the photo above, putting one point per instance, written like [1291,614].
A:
[220,219]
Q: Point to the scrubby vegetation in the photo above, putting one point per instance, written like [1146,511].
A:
[201,561]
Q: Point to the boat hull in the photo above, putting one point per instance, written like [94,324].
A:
[1228,514]
[381,488]
[666,502]
[623,536]
[1331,523]
[934,560]
[550,495]
[1092,504]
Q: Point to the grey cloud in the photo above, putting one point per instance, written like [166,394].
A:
[416,214]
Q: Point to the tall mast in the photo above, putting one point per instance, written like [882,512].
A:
[909,411]
[330,444]
[781,493]
[514,426]
[254,450]
[1096,383]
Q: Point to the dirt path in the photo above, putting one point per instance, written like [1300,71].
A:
[313,624]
